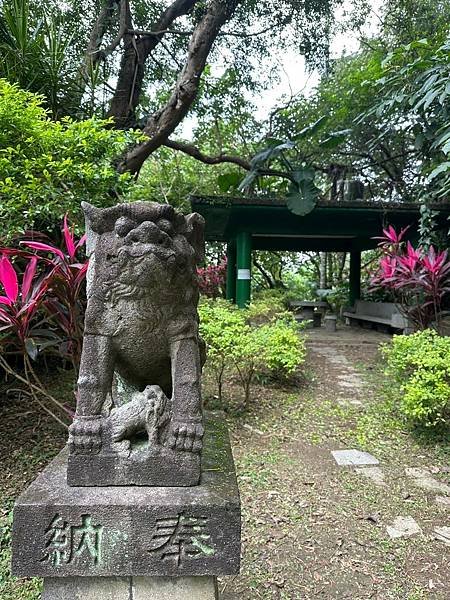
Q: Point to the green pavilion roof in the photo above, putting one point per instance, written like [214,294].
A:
[331,226]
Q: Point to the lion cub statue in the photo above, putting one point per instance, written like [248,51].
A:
[139,402]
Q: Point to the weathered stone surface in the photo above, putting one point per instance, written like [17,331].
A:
[375,474]
[175,588]
[442,534]
[330,322]
[130,588]
[141,328]
[87,588]
[443,500]
[423,478]
[64,531]
[403,527]
[145,468]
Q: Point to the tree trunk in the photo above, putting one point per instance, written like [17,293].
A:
[323,270]
[136,51]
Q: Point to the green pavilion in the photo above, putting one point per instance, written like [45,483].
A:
[261,223]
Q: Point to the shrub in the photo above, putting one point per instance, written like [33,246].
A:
[264,308]
[47,168]
[419,278]
[221,323]
[420,365]
[249,341]
[283,348]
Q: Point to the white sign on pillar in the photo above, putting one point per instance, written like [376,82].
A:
[243,274]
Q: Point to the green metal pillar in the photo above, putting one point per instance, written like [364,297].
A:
[355,277]
[231,271]
[243,263]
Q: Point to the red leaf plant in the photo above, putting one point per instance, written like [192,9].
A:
[211,279]
[419,278]
[68,276]
[41,310]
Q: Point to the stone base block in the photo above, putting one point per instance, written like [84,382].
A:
[130,588]
[63,531]
[165,468]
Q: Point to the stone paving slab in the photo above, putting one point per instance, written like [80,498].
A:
[423,478]
[375,474]
[64,531]
[403,527]
[442,534]
[353,458]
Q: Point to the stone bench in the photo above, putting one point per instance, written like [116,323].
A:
[384,315]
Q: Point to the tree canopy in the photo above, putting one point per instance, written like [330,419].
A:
[378,117]
[147,64]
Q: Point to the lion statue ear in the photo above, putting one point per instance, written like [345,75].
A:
[196,235]
[91,218]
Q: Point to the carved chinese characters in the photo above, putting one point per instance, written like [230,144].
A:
[65,543]
[180,536]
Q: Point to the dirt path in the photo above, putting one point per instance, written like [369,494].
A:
[313,529]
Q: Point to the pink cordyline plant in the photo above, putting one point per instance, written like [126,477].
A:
[41,310]
[21,303]
[22,328]
[68,277]
[418,278]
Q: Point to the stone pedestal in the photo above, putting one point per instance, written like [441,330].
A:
[130,588]
[117,536]
[330,322]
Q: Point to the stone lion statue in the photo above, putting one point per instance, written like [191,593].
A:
[141,329]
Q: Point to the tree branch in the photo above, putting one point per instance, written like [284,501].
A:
[162,123]
[123,20]
[238,34]
[136,51]
[93,54]
[99,30]
[268,279]
[196,153]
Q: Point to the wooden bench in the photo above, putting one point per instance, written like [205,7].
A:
[383,314]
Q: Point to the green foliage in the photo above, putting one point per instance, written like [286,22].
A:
[379,116]
[37,52]
[301,285]
[221,323]
[302,193]
[338,297]
[264,307]
[283,348]
[260,339]
[420,365]
[172,177]
[415,85]
[47,168]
